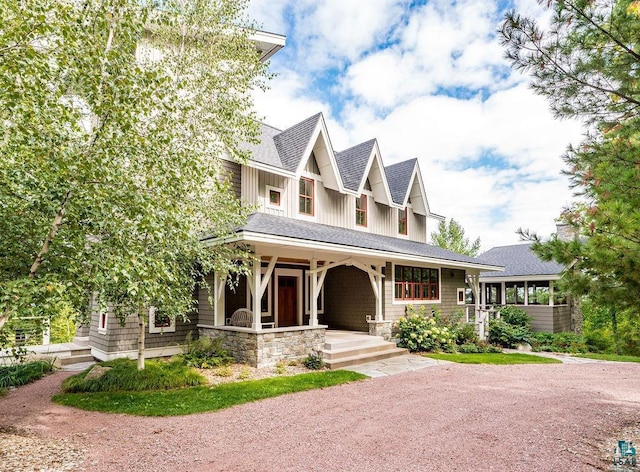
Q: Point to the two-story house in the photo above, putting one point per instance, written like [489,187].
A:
[339,242]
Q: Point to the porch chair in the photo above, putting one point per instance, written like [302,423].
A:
[242,317]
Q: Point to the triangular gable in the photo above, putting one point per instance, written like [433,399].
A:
[293,142]
[361,163]
[405,184]
[320,144]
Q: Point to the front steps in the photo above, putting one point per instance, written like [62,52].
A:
[76,352]
[346,348]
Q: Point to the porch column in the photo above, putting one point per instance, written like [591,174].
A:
[313,293]
[378,280]
[219,282]
[551,290]
[254,284]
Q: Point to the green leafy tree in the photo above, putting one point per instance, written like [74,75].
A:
[451,236]
[116,115]
[586,63]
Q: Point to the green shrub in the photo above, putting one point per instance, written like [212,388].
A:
[204,353]
[558,342]
[469,349]
[466,334]
[599,341]
[23,373]
[416,332]
[124,375]
[507,335]
[314,361]
[515,316]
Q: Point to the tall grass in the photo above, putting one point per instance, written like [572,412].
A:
[124,375]
[21,374]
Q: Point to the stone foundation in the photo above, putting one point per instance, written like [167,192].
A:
[380,328]
[265,348]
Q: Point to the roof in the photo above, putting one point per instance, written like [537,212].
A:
[283,152]
[352,163]
[279,226]
[519,260]
[399,178]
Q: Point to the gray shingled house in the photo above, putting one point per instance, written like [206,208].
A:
[341,245]
[528,282]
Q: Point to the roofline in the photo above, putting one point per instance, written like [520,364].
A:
[275,41]
[254,237]
[519,278]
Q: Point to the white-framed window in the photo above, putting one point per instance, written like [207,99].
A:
[306,196]
[274,196]
[413,284]
[160,322]
[307,298]
[103,320]
[462,298]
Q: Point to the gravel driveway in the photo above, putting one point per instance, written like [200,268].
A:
[560,417]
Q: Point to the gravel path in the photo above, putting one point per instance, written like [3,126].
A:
[561,417]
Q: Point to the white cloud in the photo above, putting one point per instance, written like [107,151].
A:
[394,64]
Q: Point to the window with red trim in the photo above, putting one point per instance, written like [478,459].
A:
[306,196]
[417,283]
[361,210]
[402,221]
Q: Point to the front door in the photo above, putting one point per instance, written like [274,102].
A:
[287,301]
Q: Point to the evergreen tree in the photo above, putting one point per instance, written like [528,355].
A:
[451,236]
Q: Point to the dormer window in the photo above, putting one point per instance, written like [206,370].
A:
[402,221]
[306,196]
[361,210]
[274,198]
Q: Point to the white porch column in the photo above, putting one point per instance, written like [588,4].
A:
[254,284]
[313,293]
[378,280]
[219,282]
[551,290]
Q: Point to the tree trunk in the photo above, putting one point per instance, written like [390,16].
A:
[141,332]
[57,222]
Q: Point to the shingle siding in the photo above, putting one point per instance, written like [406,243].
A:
[348,299]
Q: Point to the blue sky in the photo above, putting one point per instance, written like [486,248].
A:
[428,80]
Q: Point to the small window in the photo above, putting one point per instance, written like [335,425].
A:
[402,221]
[102,321]
[461,296]
[274,197]
[361,210]
[160,322]
[306,196]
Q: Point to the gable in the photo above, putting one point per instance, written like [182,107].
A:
[406,185]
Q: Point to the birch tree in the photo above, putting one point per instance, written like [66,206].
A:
[115,117]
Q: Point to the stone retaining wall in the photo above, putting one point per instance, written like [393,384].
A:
[268,347]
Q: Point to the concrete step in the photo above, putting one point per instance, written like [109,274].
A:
[353,341]
[363,348]
[76,358]
[364,358]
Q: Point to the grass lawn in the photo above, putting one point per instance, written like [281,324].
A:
[609,357]
[493,358]
[201,399]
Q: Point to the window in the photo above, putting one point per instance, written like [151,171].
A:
[493,294]
[461,296]
[160,322]
[469,298]
[402,221]
[361,210]
[538,293]
[514,292]
[306,196]
[102,320]
[417,283]
[274,197]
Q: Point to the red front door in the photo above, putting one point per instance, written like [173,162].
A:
[287,301]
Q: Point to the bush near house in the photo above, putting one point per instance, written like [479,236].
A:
[511,329]
[418,332]
[23,373]
[558,342]
[204,353]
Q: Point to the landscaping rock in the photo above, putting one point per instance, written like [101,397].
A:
[97,372]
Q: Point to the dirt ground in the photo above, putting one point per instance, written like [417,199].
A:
[560,417]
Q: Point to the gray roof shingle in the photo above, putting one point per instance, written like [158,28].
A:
[352,163]
[298,229]
[518,260]
[265,151]
[292,142]
[399,178]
